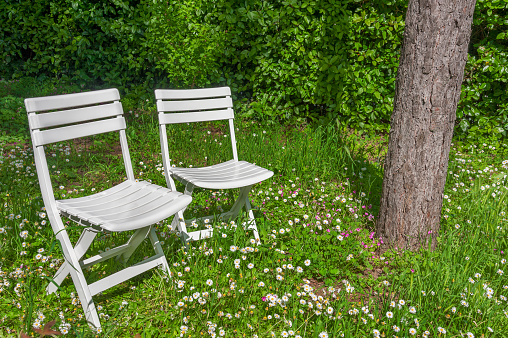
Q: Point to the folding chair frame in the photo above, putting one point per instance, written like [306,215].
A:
[105,111]
[202,105]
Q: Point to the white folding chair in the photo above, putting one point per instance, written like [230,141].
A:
[131,205]
[200,105]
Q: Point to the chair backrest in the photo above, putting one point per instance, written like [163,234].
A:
[64,117]
[194,105]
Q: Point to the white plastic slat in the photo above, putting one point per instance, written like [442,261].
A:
[125,274]
[219,172]
[119,206]
[127,215]
[108,202]
[122,186]
[229,176]
[194,105]
[108,196]
[140,206]
[200,234]
[71,132]
[182,94]
[38,104]
[213,115]
[106,205]
[228,165]
[166,206]
[125,209]
[233,169]
[45,120]
[104,256]
[220,169]
[232,183]
[224,176]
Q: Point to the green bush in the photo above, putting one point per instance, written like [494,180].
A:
[374,44]
[82,41]
[483,108]
[186,46]
[316,60]
[288,57]
[13,118]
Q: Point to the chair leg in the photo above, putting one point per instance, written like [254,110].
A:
[241,201]
[82,245]
[79,280]
[252,221]
[135,240]
[176,224]
[182,228]
[158,250]
[239,204]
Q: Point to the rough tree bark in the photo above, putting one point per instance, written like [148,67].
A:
[429,78]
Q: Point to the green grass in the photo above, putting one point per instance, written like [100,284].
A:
[317,270]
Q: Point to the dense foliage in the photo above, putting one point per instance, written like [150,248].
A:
[310,59]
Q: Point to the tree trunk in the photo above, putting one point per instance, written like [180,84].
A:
[429,78]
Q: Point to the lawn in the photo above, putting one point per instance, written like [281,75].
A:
[317,272]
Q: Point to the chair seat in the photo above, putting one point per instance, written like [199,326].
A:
[227,175]
[128,206]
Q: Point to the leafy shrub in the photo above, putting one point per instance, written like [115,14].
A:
[287,55]
[482,111]
[308,59]
[13,118]
[187,46]
[374,42]
[83,41]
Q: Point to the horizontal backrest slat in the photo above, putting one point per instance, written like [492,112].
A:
[182,94]
[45,120]
[194,105]
[38,104]
[81,130]
[214,115]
